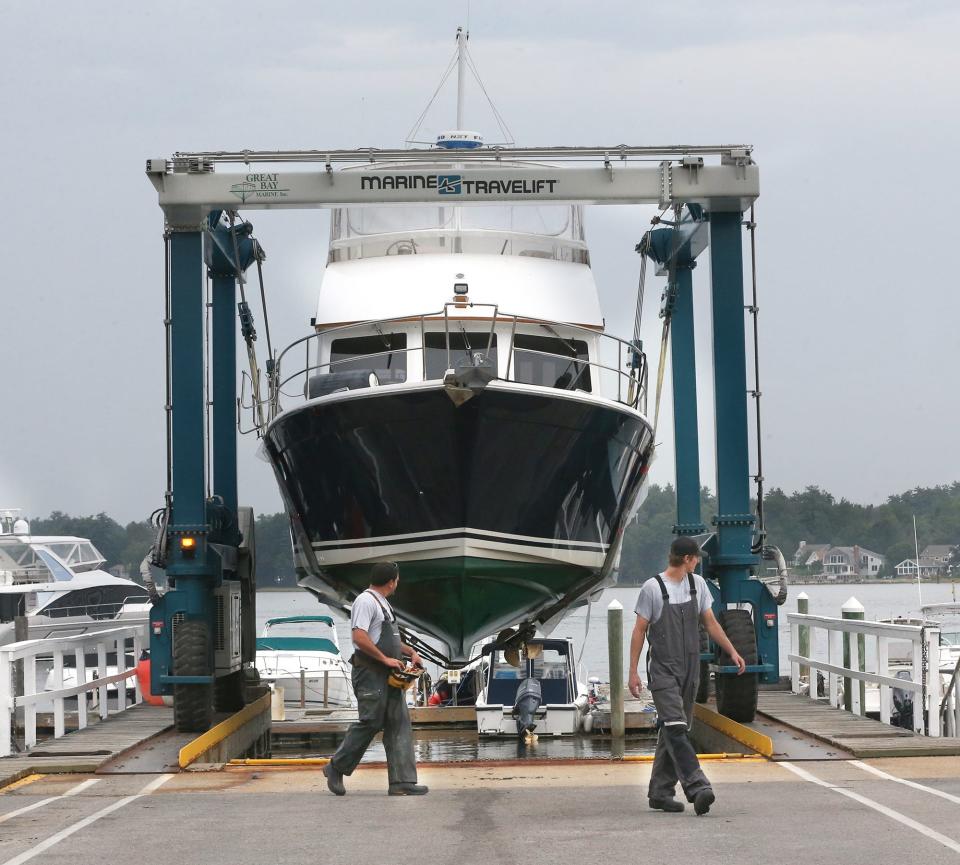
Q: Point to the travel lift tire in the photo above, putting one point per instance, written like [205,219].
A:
[737,695]
[192,704]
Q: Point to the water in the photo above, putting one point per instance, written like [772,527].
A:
[465,746]
[880,600]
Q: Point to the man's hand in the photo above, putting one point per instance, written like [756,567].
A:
[741,664]
[635,685]
[416,660]
[393,663]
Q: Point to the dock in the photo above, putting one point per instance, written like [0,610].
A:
[88,749]
[860,737]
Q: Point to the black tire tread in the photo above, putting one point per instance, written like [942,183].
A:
[737,695]
[192,704]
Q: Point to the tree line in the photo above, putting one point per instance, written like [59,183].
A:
[812,515]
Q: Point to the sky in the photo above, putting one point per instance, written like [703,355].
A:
[850,108]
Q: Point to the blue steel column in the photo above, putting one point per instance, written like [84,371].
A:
[224,390]
[685,433]
[187,364]
[734,520]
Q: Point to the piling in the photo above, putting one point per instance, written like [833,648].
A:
[615,650]
[803,607]
[853,609]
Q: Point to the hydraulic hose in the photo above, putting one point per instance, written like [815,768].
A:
[773,554]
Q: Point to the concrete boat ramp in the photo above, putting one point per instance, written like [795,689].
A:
[807,800]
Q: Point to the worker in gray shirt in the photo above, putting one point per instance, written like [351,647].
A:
[379,652]
[670,609]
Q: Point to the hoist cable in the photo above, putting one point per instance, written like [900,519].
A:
[667,311]
[641,288]
[263,296]
[754,310]
[249,335]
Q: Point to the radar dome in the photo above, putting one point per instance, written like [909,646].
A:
[21,527]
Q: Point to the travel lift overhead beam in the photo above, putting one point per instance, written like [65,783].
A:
[717,183]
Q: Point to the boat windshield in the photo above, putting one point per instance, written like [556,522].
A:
[80,555]
[950,638]
[21,563]
[539,231]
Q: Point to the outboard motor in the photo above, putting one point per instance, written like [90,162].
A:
[529,698]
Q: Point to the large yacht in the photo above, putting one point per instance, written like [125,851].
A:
[461,410]
[58,584]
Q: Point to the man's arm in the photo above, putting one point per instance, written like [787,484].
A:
[361,639]
[720,638]
[636,647]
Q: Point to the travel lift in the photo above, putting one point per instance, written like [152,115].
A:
[203,627]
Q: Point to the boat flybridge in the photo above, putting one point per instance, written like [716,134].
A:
[460,406]
[58,583]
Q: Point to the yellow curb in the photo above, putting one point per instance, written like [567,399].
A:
[761,744]
[648,758]
[22,782]
[203,743]
[281,761]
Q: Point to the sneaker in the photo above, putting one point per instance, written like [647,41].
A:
[702,801]
[407,790]
[334,780]
[671,805]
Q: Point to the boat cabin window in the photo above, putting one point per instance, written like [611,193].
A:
[82,556]
[98,602]
[553,232]
[463,344]
[551,362]
[550,665]
[20,563]
[384,354]
[59,572]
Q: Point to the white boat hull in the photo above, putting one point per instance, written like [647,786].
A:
[558,720]
[284,671]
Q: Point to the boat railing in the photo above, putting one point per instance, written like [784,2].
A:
[617,360]
[93,610]
[858,654]
[126,642]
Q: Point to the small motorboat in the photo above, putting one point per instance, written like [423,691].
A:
[301,654]
[532,692]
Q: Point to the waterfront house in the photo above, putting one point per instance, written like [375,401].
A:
[939,553]
[928,567]
[838,561]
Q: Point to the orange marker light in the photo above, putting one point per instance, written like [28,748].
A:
[188,543]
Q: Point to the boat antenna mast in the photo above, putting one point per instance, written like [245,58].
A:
[459,138]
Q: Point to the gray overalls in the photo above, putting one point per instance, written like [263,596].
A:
[380,708]
[673,671]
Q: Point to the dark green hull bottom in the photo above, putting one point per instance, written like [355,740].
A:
[462,600]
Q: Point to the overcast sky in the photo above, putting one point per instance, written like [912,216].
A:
[851,108]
